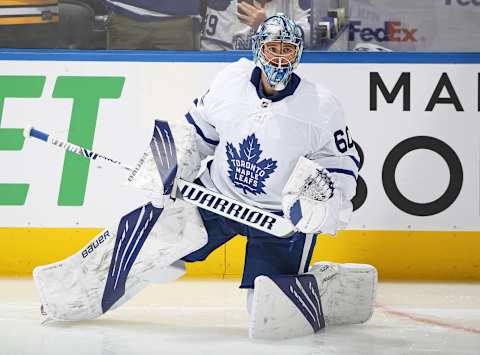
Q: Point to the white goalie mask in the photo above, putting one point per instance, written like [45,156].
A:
[277,48]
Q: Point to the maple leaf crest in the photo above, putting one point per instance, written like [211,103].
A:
[246,170]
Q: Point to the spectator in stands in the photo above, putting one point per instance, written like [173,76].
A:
[29,23]
[154,24]
[229,24]
[82,24]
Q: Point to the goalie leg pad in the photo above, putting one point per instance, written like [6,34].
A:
[347,291]
[115,266]
[167,273]
[285,307]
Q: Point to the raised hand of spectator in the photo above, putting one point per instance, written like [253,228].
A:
[252,14]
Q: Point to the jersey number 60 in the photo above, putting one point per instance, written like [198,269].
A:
[343,141]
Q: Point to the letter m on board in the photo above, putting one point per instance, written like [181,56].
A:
[403,82]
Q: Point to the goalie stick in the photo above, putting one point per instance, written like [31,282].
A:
[163,149]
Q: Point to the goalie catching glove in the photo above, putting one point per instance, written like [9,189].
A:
[310,200]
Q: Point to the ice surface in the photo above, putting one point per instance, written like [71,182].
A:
[209,317]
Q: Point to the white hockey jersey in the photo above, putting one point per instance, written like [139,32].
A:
[256,141]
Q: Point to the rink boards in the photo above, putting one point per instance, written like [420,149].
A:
[414,116]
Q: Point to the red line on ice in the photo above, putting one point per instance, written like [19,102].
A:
[427,320]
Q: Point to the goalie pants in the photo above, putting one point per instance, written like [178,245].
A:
[265,254]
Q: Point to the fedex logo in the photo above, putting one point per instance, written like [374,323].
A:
[391,32]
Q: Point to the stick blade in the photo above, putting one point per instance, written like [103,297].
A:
[164,154]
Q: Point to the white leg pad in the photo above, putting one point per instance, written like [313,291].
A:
[168,273]
[285,308]
[292,306]
[347,291]
[75,288]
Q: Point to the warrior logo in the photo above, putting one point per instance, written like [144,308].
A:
[246,170]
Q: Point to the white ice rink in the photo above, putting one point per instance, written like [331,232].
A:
[209,317]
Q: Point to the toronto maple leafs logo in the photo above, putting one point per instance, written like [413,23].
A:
[246,169]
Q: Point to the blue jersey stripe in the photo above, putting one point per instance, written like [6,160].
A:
[190,120]
[357,163]
[342,171]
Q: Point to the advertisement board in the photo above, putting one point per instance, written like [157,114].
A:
[416,124]
[413,116]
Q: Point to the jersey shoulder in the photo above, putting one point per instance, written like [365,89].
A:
[233,75]
[315,104]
